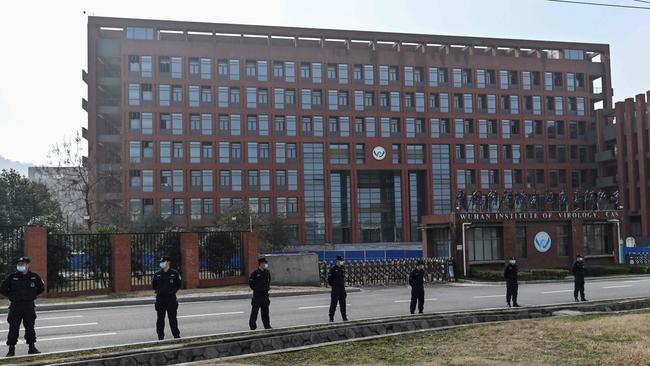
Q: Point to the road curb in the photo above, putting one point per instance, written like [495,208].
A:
[150,301]
[568,279]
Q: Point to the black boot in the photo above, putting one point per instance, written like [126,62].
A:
[32,350]
[331,319]
[11,352]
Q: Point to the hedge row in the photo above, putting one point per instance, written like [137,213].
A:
[524,275]
[496,274]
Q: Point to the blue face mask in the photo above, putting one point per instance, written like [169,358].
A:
[21,268]
[163,265]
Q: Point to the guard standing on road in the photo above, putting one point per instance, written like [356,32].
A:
[166,283]
[260,283]
[416,281]
[578,271]
[22,287]
[512,286]
[336,279]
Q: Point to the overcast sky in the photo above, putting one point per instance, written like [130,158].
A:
[44,44]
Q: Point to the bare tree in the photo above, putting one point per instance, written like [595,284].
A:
[73,184]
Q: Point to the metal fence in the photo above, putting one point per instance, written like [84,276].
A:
[78,262]
[11,247]
[637,258]
[220,254]
[390,272]
[146,250]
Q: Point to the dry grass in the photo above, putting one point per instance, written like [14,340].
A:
[614,340]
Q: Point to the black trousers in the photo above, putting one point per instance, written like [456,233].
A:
[260,301]
[25,313]
[511,293]
[167,306]
[417,298]
[338,296]
[579,288]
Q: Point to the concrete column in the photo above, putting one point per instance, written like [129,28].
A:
[190,259]
[250,252]
[509,239]
[35,240]
[121,262]
[578,237]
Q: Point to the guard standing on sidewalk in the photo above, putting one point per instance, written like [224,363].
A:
[336,279]
[166,283]
[260,283]
[512,285]
[578,271]
[22,287]
[416,281]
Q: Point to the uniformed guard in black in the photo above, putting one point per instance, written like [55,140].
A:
[22,287]
[166,283]
[336,279]
[512,285]
[579,278]
[260,282]
[416,281]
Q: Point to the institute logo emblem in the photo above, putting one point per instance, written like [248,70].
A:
[542,242]
[379,153]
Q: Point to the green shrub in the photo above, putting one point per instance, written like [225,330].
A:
[490,274]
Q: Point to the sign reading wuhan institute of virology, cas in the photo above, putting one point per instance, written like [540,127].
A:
[538,216]
[542,242]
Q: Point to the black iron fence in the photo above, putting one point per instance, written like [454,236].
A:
[637,258]
[11,247]
[388,272]
[220,254]
[146,250]
[78,262]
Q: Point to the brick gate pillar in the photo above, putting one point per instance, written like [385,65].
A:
[250,250]
[190,259]
[35,241]
[121,262]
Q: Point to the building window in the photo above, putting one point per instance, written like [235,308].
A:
[598,239]
[522,242]
[485,244]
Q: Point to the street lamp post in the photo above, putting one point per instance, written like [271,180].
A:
[463,226]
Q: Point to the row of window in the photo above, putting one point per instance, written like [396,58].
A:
[470,179]
[204,208]
[261,125]
[394,101]
[367,74]
[203,180]
[259,152]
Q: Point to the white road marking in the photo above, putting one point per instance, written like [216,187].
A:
[74,337]
[58,326]
[618,286]
[432,299]
[60,317]
[488,296]
[556,291]
[316,307]
[213,314]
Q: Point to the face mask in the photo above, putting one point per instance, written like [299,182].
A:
[21,268]
[513,262]
[341,263]
[163,265]
[420,267]
[579,259]
[266,265]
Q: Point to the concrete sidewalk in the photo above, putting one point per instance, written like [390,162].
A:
[184,298]
[568,279]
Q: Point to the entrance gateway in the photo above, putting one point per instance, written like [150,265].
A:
[539,239]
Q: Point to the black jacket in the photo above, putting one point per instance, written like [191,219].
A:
[260,281]
[336,277]
[20,287]
[166,283]
[416,279]
[510,274]
[578,271]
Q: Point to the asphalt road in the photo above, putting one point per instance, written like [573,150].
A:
[90,328]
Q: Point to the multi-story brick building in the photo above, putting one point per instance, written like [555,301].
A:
[623,159]
[353,136]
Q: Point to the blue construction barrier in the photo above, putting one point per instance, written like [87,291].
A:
[359,255]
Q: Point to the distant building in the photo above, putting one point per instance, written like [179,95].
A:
[65,186]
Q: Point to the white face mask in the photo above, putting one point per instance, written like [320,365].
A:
[420,267]
[513,262]
[266,265]
[163,265]
[21,268]
[579,259]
